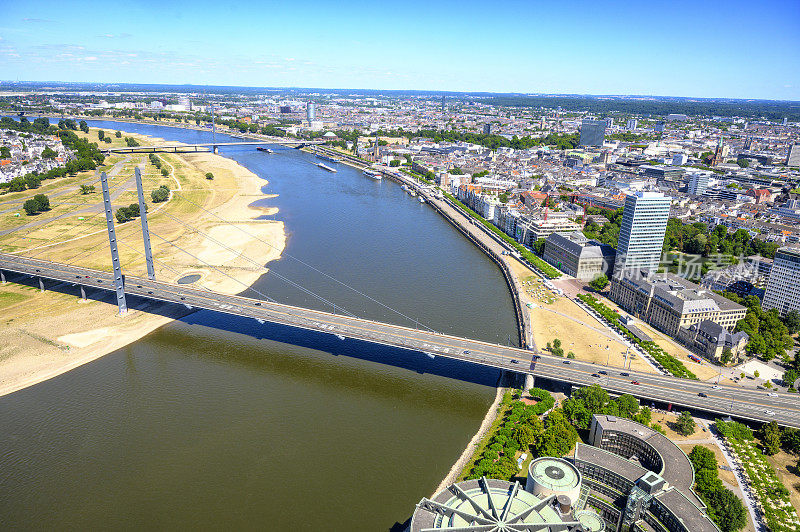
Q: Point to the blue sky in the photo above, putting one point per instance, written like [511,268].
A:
[677,48]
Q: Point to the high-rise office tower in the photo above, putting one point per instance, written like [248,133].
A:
[641,235]
[783,287]
[632,124]
[310,111]
[592,132]
[487,129]
[698,183]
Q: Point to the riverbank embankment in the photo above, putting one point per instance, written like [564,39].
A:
[49,333]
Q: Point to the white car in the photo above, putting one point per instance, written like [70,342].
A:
[769,412]
[715,387]
[772,394]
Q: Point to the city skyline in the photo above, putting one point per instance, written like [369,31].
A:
[681,50]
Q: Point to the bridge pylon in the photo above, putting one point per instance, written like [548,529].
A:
[148,253]
[119,287]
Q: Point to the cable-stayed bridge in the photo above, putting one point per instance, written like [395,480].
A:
[754,405]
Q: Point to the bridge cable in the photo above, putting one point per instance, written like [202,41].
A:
[44,247]
[83,203]
[359,292]
[165,265]
[214,267]
[261,266]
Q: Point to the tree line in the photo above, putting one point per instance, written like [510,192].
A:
[87,154]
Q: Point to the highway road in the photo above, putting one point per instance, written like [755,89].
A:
[754,405]
[184,147]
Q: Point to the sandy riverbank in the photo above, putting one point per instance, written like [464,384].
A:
[47,334]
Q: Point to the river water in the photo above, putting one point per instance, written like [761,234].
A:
[219,422]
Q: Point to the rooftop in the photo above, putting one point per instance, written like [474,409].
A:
[676,469]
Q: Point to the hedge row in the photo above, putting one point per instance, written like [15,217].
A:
[538,263]
[667,361]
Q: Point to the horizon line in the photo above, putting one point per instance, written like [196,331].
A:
[429,91]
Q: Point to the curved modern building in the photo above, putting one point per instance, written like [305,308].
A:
[479,505]
[630,479]
[638,479]
[554,477]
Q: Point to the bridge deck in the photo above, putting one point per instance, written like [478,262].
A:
[186,147]
[722,400]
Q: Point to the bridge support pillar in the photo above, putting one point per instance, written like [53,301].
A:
[83,293]
[119,287]
[529,382]
[41,284]
[148,252]
[2,277]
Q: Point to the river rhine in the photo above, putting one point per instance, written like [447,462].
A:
[214,422]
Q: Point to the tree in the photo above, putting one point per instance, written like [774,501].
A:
[31,207]
[101,134]
[790,440]
[743,163]
[122,215]
[792,321]
[726,509]
[49,153]
[599,282]
[524,434]
[83,126]
[5,152]
[627,405]
[557,350]
[703,458]
[164,172]
[160,194]
[685,424]
[756,374]
[394,163]
[42,202]
[209,175]
[771,437]
[727,355]
[118,134]
[790,377]
[87,189]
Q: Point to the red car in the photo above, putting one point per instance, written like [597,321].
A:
[635,382]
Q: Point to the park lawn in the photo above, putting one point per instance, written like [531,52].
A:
[9,298]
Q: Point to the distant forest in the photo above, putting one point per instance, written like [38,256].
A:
[657,106]
[769,109]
